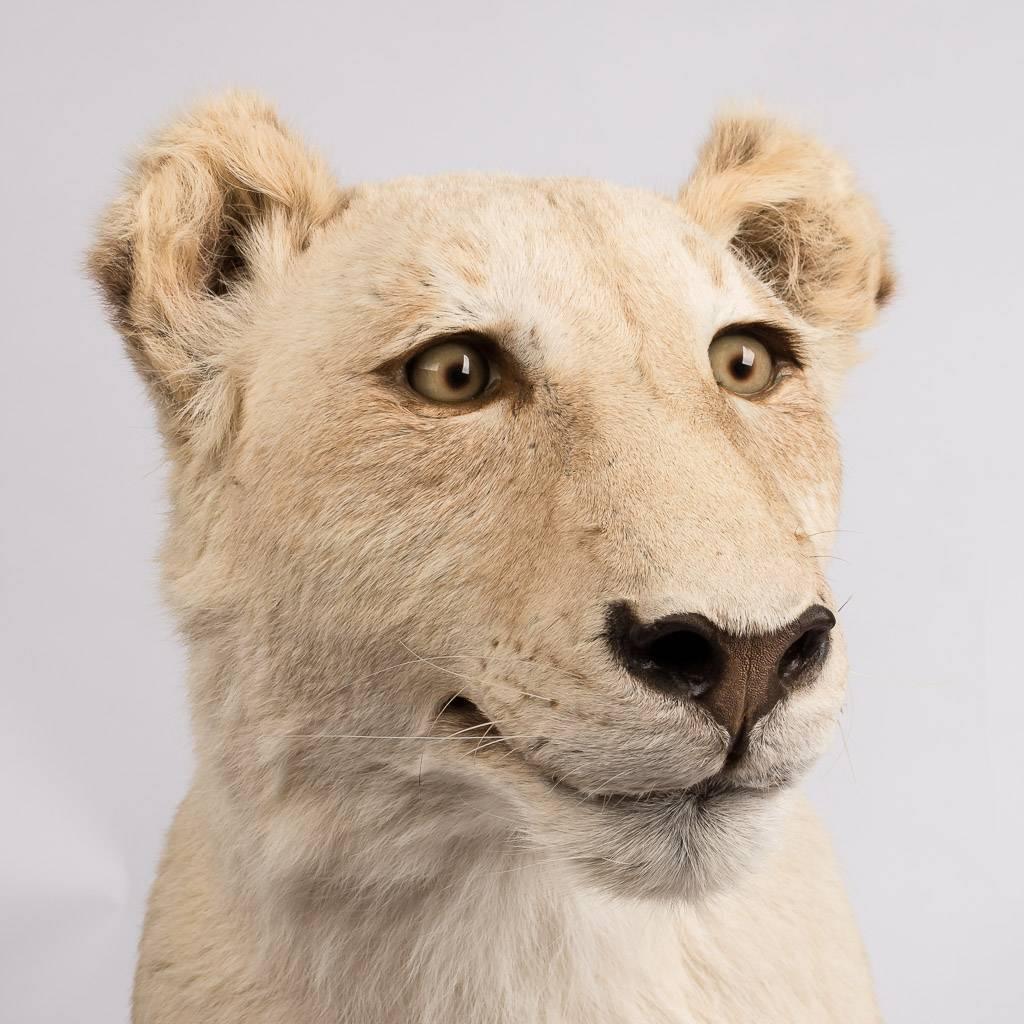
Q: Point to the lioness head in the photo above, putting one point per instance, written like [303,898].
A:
[499,506]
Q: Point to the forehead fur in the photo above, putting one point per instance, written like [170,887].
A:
[586,266]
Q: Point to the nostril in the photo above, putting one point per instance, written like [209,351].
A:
[810,649]
[678,654]
[684,654]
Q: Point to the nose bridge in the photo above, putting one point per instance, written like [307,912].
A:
[695,520]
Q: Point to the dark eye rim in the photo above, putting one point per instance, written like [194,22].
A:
[782,344]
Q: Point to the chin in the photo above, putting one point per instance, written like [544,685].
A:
[670,846]
[682,844]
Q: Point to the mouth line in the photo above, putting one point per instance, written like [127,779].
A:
[470,717]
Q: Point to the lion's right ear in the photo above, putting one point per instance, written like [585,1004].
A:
[215,204]
[789,208]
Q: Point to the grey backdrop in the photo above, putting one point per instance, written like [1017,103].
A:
[923,794]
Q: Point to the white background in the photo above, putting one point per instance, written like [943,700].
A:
[923,797]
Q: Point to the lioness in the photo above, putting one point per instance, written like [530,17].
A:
[499,510]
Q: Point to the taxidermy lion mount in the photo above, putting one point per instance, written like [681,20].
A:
[498,509]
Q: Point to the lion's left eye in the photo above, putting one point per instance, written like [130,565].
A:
[742,364]
[450,372]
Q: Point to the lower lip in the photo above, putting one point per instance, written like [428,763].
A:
[707,790]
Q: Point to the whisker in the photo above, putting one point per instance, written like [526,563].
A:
[447,704]
[440,668]
[482,657]
[414,736]
[489,743]
[846,749]
[483,736]
[511,750]
[608,782]
[558,780]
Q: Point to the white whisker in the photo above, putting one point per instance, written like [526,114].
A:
[374,736]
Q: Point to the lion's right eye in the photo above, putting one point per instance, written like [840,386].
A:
[450,372]
[742,364]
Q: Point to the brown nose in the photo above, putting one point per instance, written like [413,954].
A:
[737,678]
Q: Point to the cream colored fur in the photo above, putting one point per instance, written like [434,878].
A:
[343,558]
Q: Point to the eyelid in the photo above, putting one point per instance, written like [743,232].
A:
[780,341]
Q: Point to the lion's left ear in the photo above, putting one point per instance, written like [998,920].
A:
[789,209]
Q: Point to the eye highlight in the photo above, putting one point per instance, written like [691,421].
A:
[742,364]
[450,372]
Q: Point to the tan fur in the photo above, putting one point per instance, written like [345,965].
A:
[343,558]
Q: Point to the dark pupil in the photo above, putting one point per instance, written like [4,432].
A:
[742,366]
[457,375]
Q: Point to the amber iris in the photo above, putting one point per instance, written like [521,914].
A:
[742,364]
[450,372]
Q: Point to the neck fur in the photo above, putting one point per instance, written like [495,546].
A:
[498,937]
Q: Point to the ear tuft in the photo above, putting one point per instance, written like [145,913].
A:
[212,207]
[789,209]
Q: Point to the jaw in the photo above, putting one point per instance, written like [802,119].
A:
[669,844]
[681,840]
